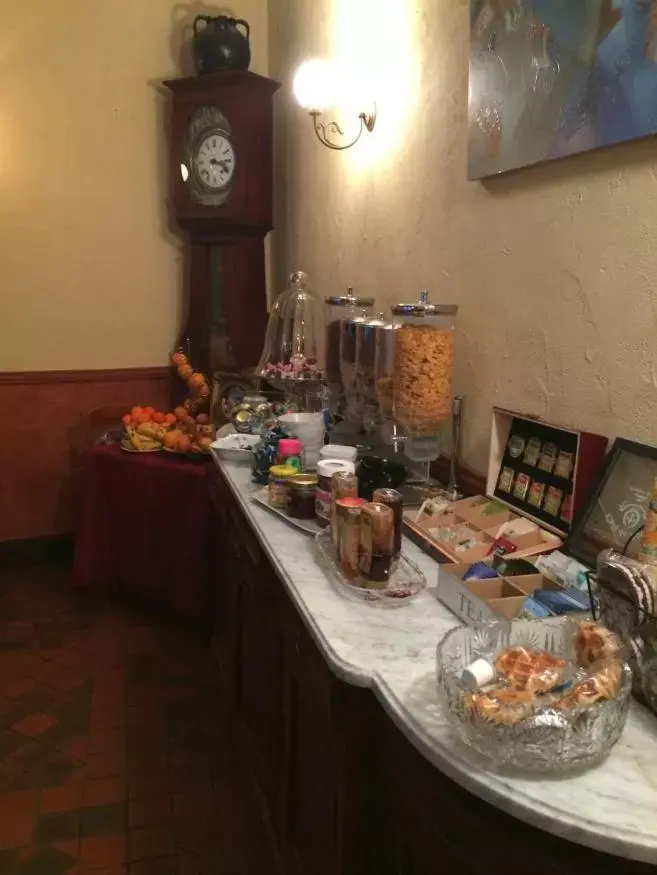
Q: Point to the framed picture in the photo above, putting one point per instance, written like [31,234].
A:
[616,511]
[550,78]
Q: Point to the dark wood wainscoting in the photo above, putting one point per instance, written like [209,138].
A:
[48,416]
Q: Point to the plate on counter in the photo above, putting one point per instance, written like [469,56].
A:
[310,527]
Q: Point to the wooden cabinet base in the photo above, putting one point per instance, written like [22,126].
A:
[340,789]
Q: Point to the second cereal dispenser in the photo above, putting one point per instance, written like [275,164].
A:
[422,376]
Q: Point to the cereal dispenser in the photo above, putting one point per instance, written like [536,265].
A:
[337,309]
[422,374]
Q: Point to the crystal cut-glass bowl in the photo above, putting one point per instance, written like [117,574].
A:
[547,738]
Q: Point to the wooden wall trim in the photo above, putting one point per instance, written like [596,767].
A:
[55,415]
[111,375]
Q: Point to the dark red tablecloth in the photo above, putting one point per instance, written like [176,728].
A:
[145,526]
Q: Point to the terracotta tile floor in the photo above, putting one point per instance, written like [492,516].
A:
[114,755]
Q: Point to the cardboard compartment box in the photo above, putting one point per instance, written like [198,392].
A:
[554,468]
[475,601]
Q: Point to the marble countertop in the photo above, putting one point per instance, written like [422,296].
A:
[611,808]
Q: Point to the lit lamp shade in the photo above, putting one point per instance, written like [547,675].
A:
[315,85]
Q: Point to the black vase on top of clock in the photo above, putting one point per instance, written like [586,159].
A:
[219,44]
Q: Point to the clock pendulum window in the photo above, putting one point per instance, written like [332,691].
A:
[220,196]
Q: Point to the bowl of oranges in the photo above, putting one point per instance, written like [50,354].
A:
[147,430]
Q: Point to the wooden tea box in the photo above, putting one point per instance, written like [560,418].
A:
[537,471]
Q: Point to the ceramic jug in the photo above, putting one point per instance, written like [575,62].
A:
[219,44]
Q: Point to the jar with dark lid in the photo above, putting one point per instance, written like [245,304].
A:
[392,498]
[377,533]
[279,477]
[301,496]
[343,485]
[326,468]
[348,552]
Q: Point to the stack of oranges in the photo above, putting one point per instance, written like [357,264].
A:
[199,389]
[148,429]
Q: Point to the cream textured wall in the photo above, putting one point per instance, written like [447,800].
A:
[554,268]
[90,274]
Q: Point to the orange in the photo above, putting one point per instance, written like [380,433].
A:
[203,419]
[185,372]
[126,420]
[149,410]
[184,444]
[158,417]
[181,413]
[196,380]
[136,411]
[169,418]
[142,417]
[178,358]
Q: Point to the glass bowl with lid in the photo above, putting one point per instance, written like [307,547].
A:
[423,365]
[292,349]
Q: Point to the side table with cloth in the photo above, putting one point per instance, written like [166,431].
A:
[146,527]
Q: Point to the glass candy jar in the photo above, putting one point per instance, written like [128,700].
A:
[292,343]
[336,309]
[423,365]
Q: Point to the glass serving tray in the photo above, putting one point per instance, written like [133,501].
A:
[310,527]
[404,585]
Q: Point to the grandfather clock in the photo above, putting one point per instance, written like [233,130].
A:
[221,186]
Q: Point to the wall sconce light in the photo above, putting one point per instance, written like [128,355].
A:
[317,86]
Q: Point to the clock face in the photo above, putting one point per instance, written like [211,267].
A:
[214,161]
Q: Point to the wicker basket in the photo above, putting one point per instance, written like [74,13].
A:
[625,598]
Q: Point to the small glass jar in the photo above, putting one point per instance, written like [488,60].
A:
[348,550]
[343,485]
[279,476]
[326,468]
[289,452]
[392,499]
[424,362]
[301,496]
[336,309]
[377,535]
[338,451]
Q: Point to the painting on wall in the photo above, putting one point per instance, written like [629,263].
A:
[550,78]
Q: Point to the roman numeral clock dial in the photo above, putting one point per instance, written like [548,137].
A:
[214,161]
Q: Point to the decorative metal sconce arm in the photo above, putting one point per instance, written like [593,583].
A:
[323,129]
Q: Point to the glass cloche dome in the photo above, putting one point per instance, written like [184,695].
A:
[292,344]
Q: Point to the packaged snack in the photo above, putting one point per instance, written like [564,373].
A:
[348,513]
[480,571]
[567,509]
[564,465]
[393,500]
[532,451]
[536,671]
[523,482]
[548,458]
[516,445]
[535,497]
[506,480]
[343,485]
[501,546]
[553,501]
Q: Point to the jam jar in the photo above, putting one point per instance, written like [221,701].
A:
[279,476]
[301,496]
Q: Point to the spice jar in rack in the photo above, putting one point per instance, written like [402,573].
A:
[423,365]
[338,308]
